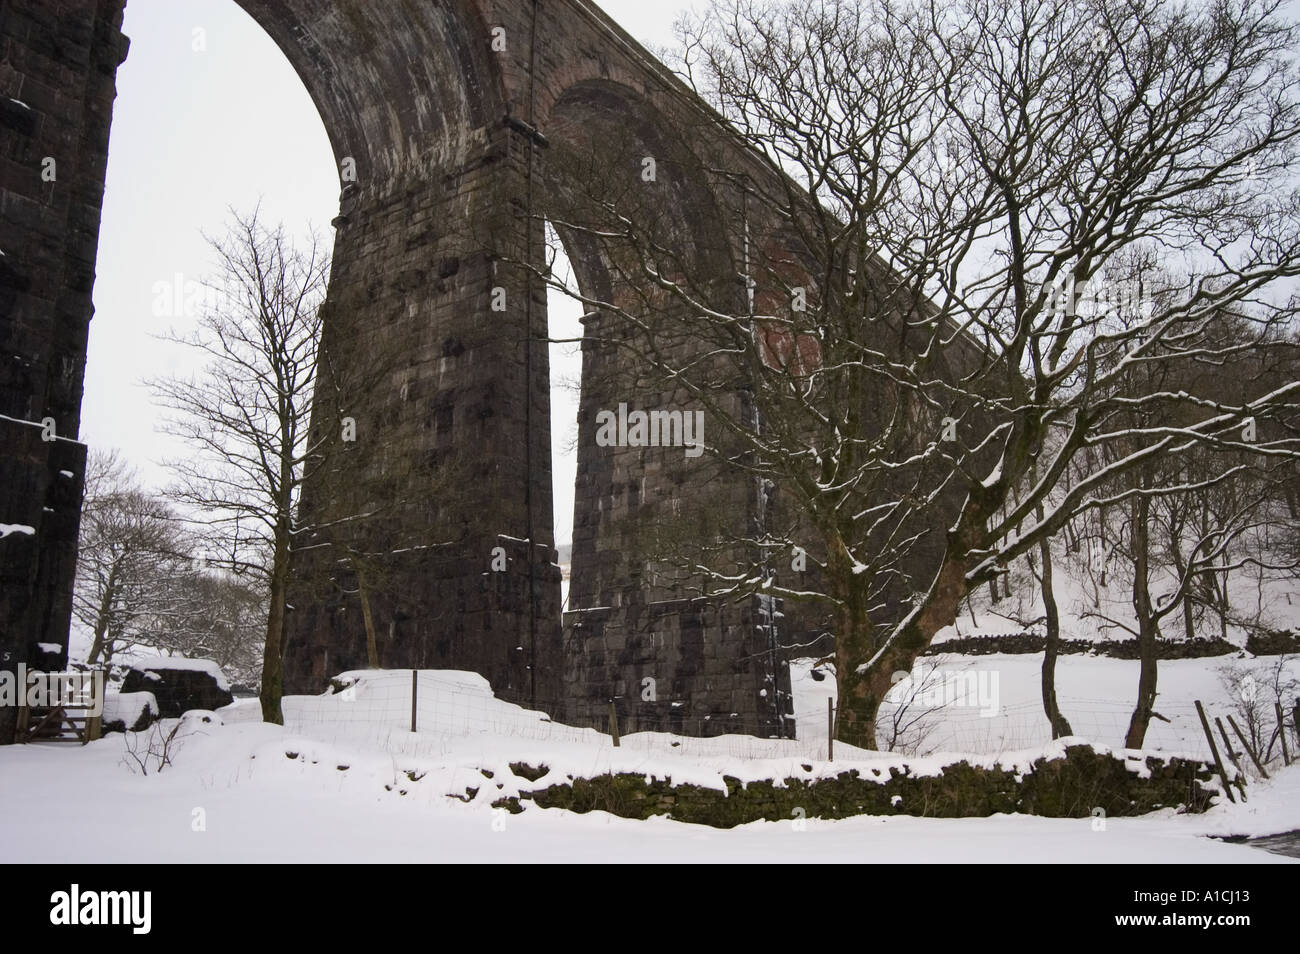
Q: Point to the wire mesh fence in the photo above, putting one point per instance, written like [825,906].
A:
[382,708]
[379,710]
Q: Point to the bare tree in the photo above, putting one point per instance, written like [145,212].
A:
[1255,693]
[1045,572]
[271,414]
[937,302]
[131,549]
[215,615]
[247,414]
[1182,520]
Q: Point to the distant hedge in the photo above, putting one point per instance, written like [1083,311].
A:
[1273,643]
[1032,644]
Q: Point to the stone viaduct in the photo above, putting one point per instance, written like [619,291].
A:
[443,116]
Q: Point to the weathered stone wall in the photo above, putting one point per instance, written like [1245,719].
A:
[640,632]
[636,632]
[1078,783]
[442,436]
[58,62]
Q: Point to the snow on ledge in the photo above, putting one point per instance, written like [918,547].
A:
[127,707]
[150,664]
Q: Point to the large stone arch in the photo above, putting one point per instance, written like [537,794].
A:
[448,132]
[632,619]
[415,95]
[404,89]
[611,129]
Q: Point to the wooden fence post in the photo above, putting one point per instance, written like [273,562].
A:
[1214,750]
[1281,731]
[24,716]
[1246,745]
[415,693]
[1227,743]
[613,722]
[94,723]
[830,729]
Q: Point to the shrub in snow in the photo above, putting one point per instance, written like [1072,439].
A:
[179,684]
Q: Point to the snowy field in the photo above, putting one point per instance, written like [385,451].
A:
[996,705]
[346,781]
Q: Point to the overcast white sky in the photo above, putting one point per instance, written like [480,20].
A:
[195,132]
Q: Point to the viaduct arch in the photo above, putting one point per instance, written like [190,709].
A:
[449,112]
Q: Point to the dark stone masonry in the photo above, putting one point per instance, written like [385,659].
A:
[1076,783]
[58,61]
[178,687]
[448,134]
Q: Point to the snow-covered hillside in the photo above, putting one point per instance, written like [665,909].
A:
[1094,596]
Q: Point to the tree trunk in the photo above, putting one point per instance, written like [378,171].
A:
[1060,727]
[103,616]
[937,609]
[1147,629]
[1189,619]
[272,658]
[1224,607]
[856,719]
[1180,568]
[372,644]
[97,644]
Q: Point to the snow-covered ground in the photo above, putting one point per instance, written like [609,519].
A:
[346,781]
[995,701]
